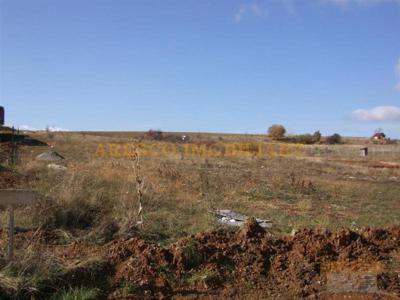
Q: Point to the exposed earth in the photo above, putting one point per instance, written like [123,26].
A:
[231,264]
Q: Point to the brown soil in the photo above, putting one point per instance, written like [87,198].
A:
[9,179]
[231,264]
[384,164]
[248,263]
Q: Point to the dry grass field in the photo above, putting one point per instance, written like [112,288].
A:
[94,202]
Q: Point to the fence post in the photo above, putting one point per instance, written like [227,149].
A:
[11,233]
[13,161]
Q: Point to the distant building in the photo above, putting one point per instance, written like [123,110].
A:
[379,136]
[364,151]
[1,115]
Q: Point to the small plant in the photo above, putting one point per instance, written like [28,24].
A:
[192,256]
[169,172]
[276,132]
[127,288]
[139,185]
[78,294]
[209,278]
[305,186]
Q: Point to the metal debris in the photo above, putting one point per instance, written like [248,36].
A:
[231,218]
[56,167]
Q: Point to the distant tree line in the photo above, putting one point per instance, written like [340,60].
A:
[277,132]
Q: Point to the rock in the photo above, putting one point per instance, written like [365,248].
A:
[49,156]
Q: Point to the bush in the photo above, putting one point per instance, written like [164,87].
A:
[303,139]
[317,136]
[334,139]
[276,132]
[192,255]
[155,134]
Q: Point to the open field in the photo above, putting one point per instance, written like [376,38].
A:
[84,232]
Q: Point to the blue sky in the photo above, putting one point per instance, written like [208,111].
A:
[200,65]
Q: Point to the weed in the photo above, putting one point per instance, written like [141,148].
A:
[208,278]
[127,288]
[77,294]
[192,256]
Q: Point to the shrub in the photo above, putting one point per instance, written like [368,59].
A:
[303,139]
[77,293]
[276,132]
[191,254]
[127,288]
[317,136]
[334,139]
[155,134]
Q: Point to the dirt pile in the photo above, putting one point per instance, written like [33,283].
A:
[141,263]
[220,262]
[249,262]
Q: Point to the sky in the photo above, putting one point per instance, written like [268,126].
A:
[202,65]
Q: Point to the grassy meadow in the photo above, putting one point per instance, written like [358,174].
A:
[295,186]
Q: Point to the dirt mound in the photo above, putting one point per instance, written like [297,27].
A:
[250,229]
[220,262]
[247,263]
[142,263]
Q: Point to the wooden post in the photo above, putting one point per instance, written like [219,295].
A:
[11,199]
[13,149]
[11,233]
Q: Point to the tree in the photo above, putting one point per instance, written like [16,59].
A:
[334,139]
[276,132]
[317,136]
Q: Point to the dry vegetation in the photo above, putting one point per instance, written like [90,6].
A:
[95,202]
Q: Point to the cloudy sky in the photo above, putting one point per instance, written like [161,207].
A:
[189,65]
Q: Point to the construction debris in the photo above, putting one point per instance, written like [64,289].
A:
[231,218]
[56,167]
[49,156]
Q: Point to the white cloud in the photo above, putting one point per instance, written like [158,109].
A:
[256,8]
[397,72]
[48,128]
[379,113]
[344,3]
[248,10]
[26,127]
[55,128]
